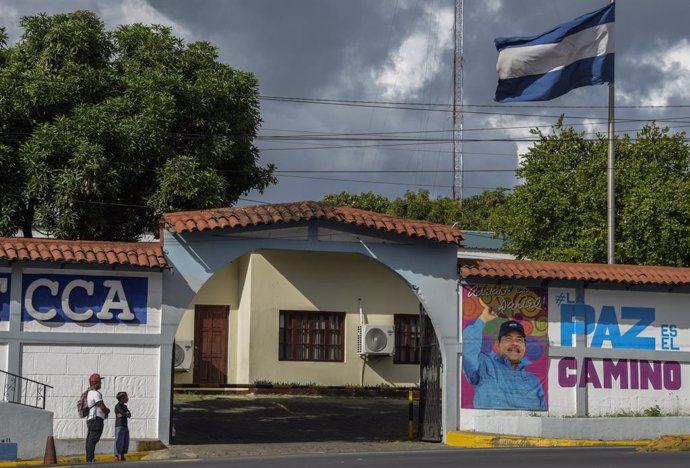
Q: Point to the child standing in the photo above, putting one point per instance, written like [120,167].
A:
[121,429]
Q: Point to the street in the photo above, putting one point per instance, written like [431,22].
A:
[515,458]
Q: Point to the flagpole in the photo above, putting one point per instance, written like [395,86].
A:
[611,186]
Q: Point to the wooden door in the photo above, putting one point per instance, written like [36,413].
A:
[211,344]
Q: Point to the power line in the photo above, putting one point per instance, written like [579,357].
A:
[398,141]
[390,147]
[386,171]
[125,205]
[385,182]
[447,110]
[78,81]
[304,133]
[449,106]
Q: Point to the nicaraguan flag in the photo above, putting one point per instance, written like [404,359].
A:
[573,54]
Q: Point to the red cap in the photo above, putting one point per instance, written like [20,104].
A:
[95,378]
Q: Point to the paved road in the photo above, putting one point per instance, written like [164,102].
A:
[514,458]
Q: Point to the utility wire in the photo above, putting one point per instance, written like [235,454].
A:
[79,81]
[126,205]
[448,186]
[449,106]
[415,106]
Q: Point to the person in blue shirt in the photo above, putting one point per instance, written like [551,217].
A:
[500,381]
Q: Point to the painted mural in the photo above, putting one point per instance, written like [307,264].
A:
[505,347]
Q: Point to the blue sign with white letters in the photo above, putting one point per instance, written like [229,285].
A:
[4,297]
[86,299]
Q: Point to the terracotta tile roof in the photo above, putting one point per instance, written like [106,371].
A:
[221,218]
[140,254]
[588,272]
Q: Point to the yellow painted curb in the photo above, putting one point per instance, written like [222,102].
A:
[479,440]
[133,456]
[669,443]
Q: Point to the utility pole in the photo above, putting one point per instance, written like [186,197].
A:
[458,57]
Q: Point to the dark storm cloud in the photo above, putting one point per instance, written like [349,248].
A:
[328,49]
[340,49]
[298,46]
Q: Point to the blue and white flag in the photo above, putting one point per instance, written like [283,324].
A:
[573,54]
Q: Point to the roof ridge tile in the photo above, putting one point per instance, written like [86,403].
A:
[587,272]
[82,251]
[239,217]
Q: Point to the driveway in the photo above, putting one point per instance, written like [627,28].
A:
[263,425]
[249,419]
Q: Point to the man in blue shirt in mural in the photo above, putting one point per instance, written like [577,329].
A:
[500,381]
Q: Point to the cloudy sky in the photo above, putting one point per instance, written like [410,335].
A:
[401,51]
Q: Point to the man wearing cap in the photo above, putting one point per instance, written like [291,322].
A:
[97,413]
[500,381]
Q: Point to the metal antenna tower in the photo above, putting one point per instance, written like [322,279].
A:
[458,57]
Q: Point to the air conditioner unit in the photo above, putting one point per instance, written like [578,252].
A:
[376,339]
[184,353]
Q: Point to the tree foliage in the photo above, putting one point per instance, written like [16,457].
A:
[560,211]
[475,213]
[102,132]
[364,201]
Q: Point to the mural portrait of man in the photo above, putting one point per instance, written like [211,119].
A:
[503,367]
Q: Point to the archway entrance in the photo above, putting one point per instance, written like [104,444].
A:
[323,344]
[420,256]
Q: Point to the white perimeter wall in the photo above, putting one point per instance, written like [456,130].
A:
[602,401]
[27,427]
[67,369]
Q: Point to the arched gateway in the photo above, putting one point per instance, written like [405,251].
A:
[199,244]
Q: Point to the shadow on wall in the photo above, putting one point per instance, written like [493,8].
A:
[383,367]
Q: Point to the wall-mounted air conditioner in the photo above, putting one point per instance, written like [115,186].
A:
[376,339]
[184,355]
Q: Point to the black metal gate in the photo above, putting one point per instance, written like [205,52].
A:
[430,397]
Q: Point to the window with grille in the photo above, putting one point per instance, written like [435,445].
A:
[311,336]
[406,339]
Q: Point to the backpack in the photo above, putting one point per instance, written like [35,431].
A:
[83,407]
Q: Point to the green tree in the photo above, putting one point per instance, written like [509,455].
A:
[419,205]
[475,213]
[364,201]
[478,212]
[559,212]
[103,131]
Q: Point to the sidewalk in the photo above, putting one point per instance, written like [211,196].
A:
[455,439]
[73,459]
[273,425]
[192,452]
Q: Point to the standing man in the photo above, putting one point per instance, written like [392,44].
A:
[500,381]
[97,413]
